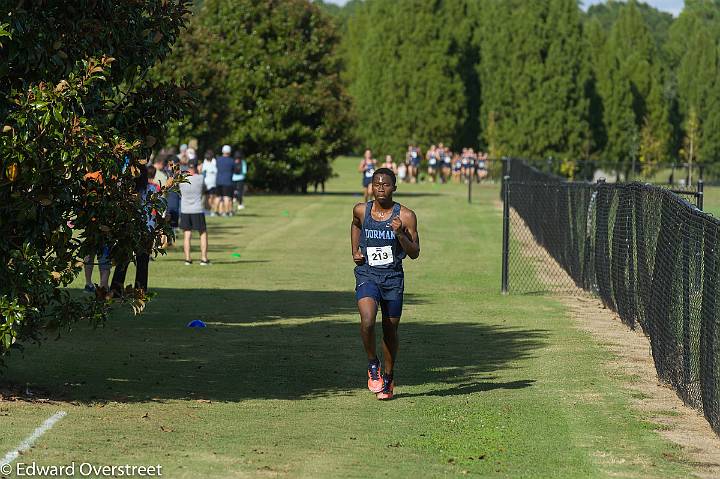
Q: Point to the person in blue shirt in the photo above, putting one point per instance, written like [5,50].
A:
[382,233]
[224,182]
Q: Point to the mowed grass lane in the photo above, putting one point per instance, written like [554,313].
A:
[488,385]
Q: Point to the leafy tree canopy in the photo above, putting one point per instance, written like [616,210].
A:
[268,80]
[79,119]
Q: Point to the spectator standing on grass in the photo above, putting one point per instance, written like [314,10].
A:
[209,170]
[182,157]
[161,175]
[238,178]
[142,257]
[192,217]
[104,266]
[192,158]
[173,198]
[153,185]
[225,187]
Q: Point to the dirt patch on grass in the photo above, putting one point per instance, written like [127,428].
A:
[656,401]
[12,392]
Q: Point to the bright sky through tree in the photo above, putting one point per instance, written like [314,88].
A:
[672,6]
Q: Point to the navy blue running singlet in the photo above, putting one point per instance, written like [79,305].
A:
[383,254]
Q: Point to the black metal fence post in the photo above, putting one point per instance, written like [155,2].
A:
[506,234]
[700,194]
[470,181]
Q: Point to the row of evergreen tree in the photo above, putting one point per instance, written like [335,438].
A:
[619,83]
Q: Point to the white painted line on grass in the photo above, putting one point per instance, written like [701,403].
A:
[27,443]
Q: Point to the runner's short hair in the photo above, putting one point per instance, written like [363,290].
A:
[385,171]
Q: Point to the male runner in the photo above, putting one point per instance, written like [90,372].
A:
[382,234]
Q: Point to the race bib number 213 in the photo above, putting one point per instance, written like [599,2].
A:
[379,255]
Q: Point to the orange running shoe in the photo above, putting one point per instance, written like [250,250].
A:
[387,391]
[375,381]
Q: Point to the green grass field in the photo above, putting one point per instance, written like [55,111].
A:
[489,386]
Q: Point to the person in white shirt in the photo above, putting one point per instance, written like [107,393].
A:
[192,217]
[208,168]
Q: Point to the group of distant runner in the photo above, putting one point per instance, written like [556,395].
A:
[439,164]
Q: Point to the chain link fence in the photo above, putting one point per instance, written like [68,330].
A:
[650,255]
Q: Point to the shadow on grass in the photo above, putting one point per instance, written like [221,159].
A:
[237,214]
[215,230]
[399,193]
[260,345]
[195,245]
[358,193]
[214,261]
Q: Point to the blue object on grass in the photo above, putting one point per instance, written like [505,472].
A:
[196,324]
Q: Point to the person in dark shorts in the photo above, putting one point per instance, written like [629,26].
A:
[192,216]
[381,235]
[225,188]
[367,168]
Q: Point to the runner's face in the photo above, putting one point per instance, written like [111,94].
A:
[382,187]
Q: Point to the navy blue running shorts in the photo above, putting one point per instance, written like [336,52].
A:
[391,308]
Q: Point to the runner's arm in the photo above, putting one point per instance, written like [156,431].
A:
[355,229]
[408,237]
